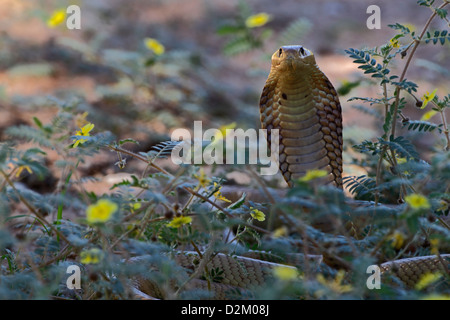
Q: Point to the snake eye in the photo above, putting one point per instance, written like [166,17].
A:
[280,52]
[302,51]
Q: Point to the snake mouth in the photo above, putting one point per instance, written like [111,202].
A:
[293,64]
[293,59]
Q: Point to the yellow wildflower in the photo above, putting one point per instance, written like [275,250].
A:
[410,26]
[136,206]
[335,284]
[428,115]
[400,160]
[397,239]
[435,296]
[224,129]
[179,221]
[417,201]
[280,232]
[218,194]
[202,178]
[57,17]
[313,174]
[21,168]
[434,244]
[444,205]
[91,256]
[257,214]
[101,211]
[155,46]
[285,273]
[427,97]
[223,132]
[257,20]
[394,43]
[84,132]
[427,279]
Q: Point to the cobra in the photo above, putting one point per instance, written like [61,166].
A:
[299,101]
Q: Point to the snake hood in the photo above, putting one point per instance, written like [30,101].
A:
[300,101]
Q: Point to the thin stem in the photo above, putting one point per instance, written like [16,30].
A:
[229,215]
[408,61]
[446,132]
[398,89]
[38,215]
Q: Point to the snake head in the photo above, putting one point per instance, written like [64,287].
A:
[292,58]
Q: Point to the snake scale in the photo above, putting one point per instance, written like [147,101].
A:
[299,101]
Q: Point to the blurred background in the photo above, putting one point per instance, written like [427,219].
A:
[142,68]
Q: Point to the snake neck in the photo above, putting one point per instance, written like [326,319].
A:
[304,106]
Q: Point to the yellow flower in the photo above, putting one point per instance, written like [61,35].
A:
[202,178]
[313,174]
[394,43]
[411,27]
[428,115]
[179,221]
[136,206]
[397,239]
[154,45]
[285,273]
[101,211]
[280,232]
[91,256]
[417,201]
[435,296]
[21,168]
[335,284]
[427,279]
[84,132]
[220,136]
[434,244]
[400,160]
[223,129]
[257,214]
[427,97]
[444,205]
[218,195]
[57,17]
[257,20]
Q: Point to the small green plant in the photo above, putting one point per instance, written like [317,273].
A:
[138,228]
[398,151]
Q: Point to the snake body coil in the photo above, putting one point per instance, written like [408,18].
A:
[300,101]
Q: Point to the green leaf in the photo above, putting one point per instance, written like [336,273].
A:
[402,146]
[424,126]
[295,32]
[346,87]
[406,85]
[121,142]
[38,123]
[239,202]
[438,36]
[442,13]
[238,45]
[360,186]
[426,3]
[398,26]
[229,29]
